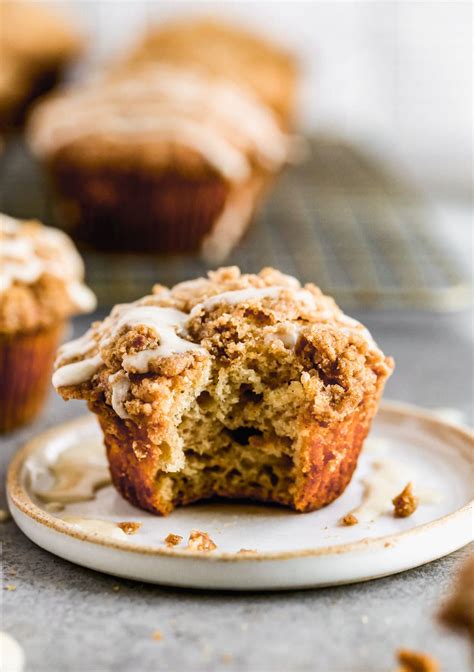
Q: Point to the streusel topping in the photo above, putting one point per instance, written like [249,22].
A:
[41,276]
[146,356]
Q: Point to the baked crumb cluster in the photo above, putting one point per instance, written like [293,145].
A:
[41,276]
[217,377]
[405,503]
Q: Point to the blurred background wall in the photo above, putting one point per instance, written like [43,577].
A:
[394,75]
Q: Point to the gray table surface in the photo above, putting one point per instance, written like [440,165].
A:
[69,619]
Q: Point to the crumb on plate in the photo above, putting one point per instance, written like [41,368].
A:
[405,503]
[414,661]
[173,539]
[157,636]
[349,519]
[200,541]
[129,527]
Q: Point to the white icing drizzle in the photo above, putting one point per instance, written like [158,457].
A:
[386,480]
[28,251]
[78,347]
[287,333]
[354,325]
[166,322]
[120,385]
[236,296]
[97,527]
[78,473]
[216,118]
[77,372]
[230,224]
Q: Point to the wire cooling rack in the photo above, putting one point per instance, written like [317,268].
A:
[339,220]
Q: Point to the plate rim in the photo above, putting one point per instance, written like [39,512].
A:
[19,498]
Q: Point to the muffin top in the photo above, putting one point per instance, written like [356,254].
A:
[41,277]
[162,115]
[165,105]
[146,356]
[229,50]
[32,39]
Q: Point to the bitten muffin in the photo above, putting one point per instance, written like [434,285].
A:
[35,47]
[240,386]
[172,149]
[40,288]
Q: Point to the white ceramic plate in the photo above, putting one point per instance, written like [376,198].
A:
[289,550]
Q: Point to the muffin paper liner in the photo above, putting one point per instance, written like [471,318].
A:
[26,362]
[134,212]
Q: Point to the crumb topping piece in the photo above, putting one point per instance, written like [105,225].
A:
[173,540]
[41,276]
[405,503]
[414,661]
[200,541]
[349,519]
[130,527]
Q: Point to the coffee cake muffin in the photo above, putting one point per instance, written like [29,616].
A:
[170,150]
[237,386]
[35,47]
[41,286]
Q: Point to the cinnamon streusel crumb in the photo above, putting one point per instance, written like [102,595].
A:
[349,519]
[129,527]
[173,539]
[414,661]
[405,503]
[200,541]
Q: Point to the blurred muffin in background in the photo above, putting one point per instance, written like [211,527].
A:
[35,47]
[41,286]
[172,150]
[458,611]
